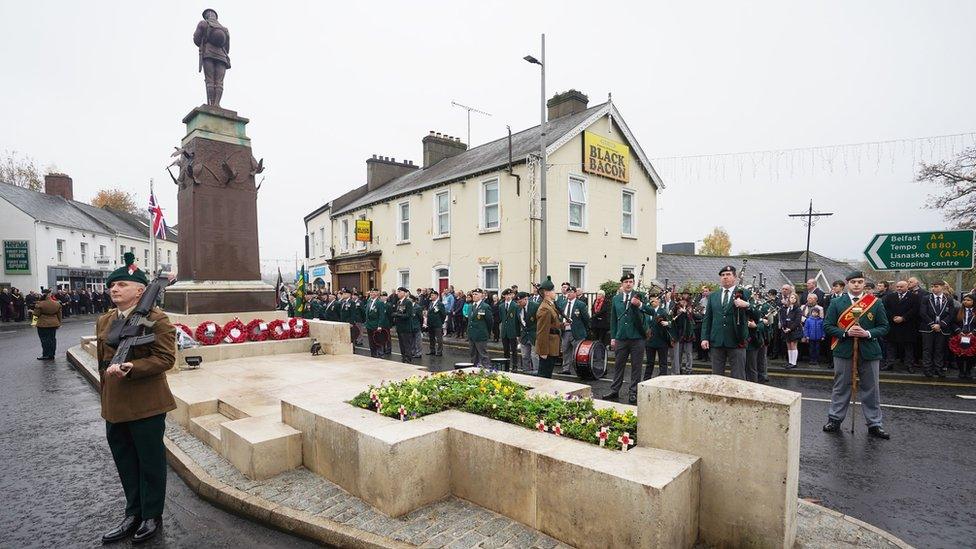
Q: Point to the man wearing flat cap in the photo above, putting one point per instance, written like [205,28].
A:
[856,321]
[725,326]
[135,398]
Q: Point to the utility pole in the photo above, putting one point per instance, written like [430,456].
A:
[469,109]
[543,240]
[811,219]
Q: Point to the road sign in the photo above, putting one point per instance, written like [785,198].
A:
[929,251]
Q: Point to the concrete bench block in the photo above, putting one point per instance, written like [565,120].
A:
[327,331]
[191,404]
[748,438]
[260,447]
[207,428]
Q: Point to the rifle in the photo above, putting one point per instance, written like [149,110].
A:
[131,331]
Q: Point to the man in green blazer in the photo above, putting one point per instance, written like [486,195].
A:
[576,323]
[856,318]
[375,317]
[508,312]
[479,327]
[627,334]
[725,328]
[405,319]
[526,315]
[658,346]
[434,323]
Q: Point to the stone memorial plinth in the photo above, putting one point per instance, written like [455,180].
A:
[219,268]
[748,438]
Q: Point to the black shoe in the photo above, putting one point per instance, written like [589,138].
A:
[431,353]
[632,399]
[147,529]
[832,426]
[611,396]
[911,369]
[125,529]
[886,368]
[764,380]
[790,366]
[878,432]
[42,358]
[564,372]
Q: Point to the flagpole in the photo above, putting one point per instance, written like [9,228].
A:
[152,236]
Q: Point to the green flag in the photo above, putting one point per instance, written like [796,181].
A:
[300,293]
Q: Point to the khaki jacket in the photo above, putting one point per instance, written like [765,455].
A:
[48,313]
[547,329]
[143,392]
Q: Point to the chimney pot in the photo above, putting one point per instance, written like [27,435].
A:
[59,184]
[438,146]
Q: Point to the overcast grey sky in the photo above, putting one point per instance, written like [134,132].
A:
[100,88]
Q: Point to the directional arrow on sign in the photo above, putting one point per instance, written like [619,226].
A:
[872,252]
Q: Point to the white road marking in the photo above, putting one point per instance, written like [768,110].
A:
[967,397]
[903,407]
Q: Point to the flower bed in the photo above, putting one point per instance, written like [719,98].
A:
[498,397]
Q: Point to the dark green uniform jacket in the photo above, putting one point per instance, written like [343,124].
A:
[375,313]
[874,320]
[509,313]
[627,320]
[725,326]
[528,331]
[580,316]
[660,334]
[331,311]
[405,316]
[436,315]
[479,321]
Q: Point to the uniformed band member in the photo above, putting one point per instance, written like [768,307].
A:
[135,398]
[434,318]
[856,316]
[407,326]
[658,344]
[375,317]
[479,326]
[684,336]
[576,323]
[387,323]
[627,334]
[527,333]
[48,313]
[725,328]
[548,326]
[508,313]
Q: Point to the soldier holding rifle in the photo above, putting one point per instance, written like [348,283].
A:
[855,321]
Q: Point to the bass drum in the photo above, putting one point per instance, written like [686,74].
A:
[591,359]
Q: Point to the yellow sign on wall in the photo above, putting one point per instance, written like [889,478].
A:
[601,156]
[364,230]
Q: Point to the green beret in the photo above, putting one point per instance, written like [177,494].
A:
[547,284]
[129,272]
[854,274]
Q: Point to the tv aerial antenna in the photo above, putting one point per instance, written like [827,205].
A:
[470,110]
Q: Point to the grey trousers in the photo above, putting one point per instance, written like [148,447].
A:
[567,346]
[681,355]
[478,351]
[528,357]
[752,364]
[736,357]
[869,392]
[627,348]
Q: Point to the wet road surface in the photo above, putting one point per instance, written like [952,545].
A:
[58,484]
[920,485]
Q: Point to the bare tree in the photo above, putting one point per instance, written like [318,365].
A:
[20,170]
[958,179]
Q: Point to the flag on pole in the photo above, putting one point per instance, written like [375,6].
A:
[156,214]
[279,288]
[300,292]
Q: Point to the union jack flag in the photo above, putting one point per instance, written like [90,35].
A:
[156,214]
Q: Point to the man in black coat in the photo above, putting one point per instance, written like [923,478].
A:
[902,307]
[936,313]
[813,289]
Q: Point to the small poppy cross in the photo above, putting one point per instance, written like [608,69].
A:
[602,435]
[403,413]
[557,430]
[541,425]
[625,441]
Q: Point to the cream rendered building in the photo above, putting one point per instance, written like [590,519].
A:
[471,217]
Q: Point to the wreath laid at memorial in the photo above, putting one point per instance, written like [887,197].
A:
[499,397]
[279,329]
[299,327]
[257,330]
[209,333]
[183,328]
[235,332]
[959,348]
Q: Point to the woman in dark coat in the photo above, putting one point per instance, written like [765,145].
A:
[600,318]
[791,326]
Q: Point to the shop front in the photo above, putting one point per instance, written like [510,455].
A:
[360,271]
[67,278]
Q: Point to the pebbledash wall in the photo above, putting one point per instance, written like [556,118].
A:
[472,254]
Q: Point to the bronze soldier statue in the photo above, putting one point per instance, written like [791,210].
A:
[213,41]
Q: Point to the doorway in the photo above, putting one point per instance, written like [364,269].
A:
[443,279]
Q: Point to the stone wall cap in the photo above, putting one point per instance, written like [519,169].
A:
[725,387]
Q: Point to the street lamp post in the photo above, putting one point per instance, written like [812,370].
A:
[543,255]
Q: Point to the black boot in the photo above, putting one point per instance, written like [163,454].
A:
[125,529]
[147,529]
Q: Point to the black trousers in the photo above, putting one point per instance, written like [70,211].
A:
[662,358]
[510,347]
[904,348]
[140,458]
[634,350]
[408,344]
[546,365]
[435,336]
[49,341]
[933,352]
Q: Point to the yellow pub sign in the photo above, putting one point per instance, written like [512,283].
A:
[604,157]
[364,230]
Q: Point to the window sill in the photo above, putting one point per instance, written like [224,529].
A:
[441,236]
[403,243]
[488,231]
[577,230]
[629,236]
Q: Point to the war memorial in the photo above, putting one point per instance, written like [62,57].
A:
[302,441]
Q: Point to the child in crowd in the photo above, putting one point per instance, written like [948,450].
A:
[813,333]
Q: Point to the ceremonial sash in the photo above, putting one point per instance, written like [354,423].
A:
[848,319]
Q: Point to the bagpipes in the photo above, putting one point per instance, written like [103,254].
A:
[136,328]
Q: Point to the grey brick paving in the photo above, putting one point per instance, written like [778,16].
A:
[451,523]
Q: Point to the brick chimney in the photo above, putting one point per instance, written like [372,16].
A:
[59,184]
[568,102]
[380,170]
[437,147]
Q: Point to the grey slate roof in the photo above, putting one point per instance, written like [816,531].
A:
[115,224]
[49,208]
[480,159]
[140,223]
[681,269]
